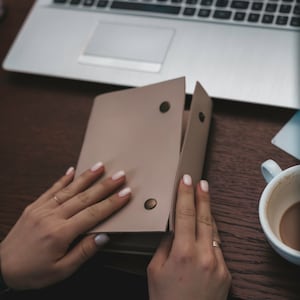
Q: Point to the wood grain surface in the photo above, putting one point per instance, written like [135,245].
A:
[42,125]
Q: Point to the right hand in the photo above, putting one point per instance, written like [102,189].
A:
[190,265]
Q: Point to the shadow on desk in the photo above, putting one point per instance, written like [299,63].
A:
[91,281]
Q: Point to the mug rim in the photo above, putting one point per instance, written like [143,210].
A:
[263,213]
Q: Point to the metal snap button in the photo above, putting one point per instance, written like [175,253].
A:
[150,203]
[201,116]
[164,107]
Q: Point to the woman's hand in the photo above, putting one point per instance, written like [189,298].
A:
[190,265]
[37,251]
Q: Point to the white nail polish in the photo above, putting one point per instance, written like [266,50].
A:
[70,171]
[96,166]
[101,239]
[126,191]
[204,186]
[187,180]
[118,175]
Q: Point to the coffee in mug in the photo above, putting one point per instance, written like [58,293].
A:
[290,226]
[279,209]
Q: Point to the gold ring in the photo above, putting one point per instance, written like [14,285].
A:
[56,199]
[216,244]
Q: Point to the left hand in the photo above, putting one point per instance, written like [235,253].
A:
[37,251]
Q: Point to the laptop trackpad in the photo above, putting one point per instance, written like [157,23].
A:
[127,46]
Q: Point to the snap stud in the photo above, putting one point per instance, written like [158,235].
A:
[150,203]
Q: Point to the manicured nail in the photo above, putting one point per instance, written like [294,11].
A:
[101,239]
[187,180]
[118,175]
[204,186]
[96,166]
[126,191]
[70,171]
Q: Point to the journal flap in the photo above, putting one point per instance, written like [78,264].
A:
[192,156]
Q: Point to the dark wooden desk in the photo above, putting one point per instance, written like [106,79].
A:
[42,124]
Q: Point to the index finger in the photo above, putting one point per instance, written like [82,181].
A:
[185,212]
[204,218]
[94,214]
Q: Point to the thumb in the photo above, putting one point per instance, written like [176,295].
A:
[83,251]
[162,252]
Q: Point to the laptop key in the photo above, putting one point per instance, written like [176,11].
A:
[257,6]
[204,13]
[240,4]
[271,7]
[153,8]
[267,19]
[189,11]
[206,2]
[295,22]
[297,10]
[102,3]
[75,2]
[281,20]
[253,18]
[222,14]
[191,2]
[239,16]
[285,8]
[222,3]
[88,2]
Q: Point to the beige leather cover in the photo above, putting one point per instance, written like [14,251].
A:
[127,131]
[193,150]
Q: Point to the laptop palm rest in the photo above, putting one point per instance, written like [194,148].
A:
[127,46]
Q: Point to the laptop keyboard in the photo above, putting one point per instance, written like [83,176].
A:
[283,14]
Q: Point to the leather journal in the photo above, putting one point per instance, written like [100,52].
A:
[146,132]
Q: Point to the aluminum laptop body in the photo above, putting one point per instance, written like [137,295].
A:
[242,60]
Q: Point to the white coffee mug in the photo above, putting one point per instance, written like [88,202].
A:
[281,193]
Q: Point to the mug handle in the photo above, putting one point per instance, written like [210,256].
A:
[270,169]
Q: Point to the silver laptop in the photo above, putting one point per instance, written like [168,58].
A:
[238,50]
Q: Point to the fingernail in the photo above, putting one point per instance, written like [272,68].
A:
[124,192]
[101,239]
[96,166]
[118,175]
[204,186]
[187,180]
[70,171]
